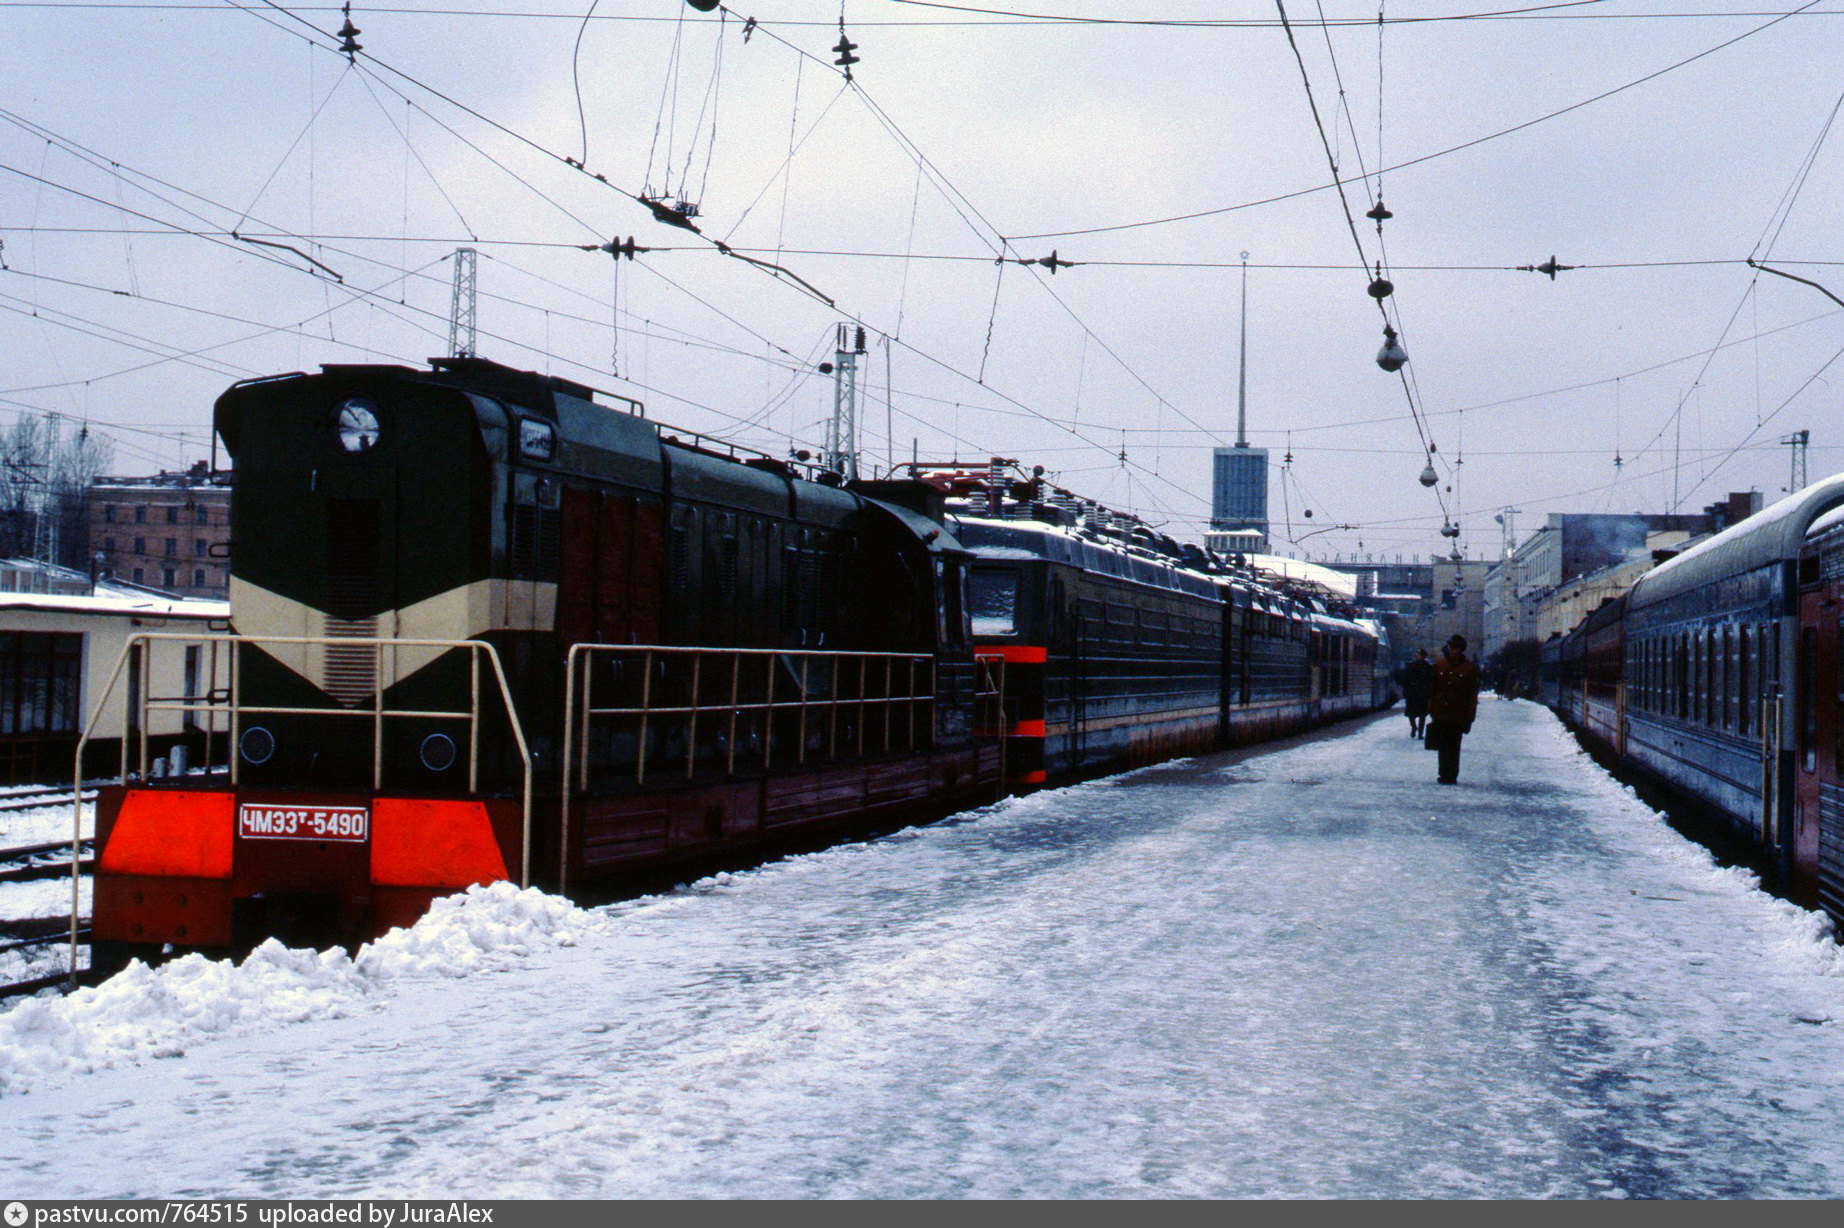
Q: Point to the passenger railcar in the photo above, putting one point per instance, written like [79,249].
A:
[1121,649]
[1717,678]
[1111,658]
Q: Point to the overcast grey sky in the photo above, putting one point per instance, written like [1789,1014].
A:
[134,138]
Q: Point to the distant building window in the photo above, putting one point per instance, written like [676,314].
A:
[167,578]
[198,579]
[39,682]
[140,515]
[138,577]
[140,545]
[108,545]
[204,515]
[172,547]
[201,547]
[108,513]
[172,515]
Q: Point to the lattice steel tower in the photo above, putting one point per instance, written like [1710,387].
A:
[461,342]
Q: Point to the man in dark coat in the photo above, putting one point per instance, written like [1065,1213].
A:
[1452,706]
[1417,686]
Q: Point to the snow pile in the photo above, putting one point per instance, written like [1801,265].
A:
[147,1012]
[495,923]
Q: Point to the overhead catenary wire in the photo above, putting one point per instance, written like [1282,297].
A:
[1428,157]
[1167,435]
[1363,259]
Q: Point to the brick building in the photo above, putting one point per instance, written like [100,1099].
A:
[170,531]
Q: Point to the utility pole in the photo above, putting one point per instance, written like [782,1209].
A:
[842,432]
[461,343]
[1508,519]
[1797,441]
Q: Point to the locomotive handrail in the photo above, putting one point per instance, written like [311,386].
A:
[580,714]
[231,706]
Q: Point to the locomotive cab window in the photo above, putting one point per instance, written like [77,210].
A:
[993,599]
[537,439]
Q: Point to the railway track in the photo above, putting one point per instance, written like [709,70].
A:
[24,933]
[23,863]
[37,799]
[48,859]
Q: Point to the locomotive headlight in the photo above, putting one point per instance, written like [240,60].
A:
[438,752]
[356,426]
[257,745]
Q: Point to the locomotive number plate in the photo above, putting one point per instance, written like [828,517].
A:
[260,822]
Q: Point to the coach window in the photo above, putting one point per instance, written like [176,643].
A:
[1729,678]
[1651,675]
[1648,675]
[1706,645]
[1695,648]
[1712,678]
[1837,719]
[1743,674]
[1681,677]
[1719,677]
[1663,649]
[1808,695]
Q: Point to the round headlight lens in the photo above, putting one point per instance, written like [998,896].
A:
[257,744]
[438,752]
[356,427]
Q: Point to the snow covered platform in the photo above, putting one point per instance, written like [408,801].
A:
[1303,970]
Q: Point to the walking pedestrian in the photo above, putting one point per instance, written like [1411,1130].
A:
[1451,707]
[1417,685]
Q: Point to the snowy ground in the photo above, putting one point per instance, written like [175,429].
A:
[1305,972]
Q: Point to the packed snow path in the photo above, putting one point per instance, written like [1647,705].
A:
[1296,971]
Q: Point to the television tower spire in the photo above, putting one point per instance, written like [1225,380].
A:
[1242,387]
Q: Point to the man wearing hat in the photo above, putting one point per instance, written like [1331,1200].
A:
[1452,706]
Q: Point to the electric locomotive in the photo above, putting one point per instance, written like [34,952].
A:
[486,627]
[1123,647]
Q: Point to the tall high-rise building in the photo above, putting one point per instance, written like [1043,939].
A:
[1239,476]
[1239,500]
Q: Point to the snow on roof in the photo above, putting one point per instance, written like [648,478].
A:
[118,601]
[1768,536]
[1299,569]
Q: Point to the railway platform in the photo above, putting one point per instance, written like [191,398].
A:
[1303,969]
